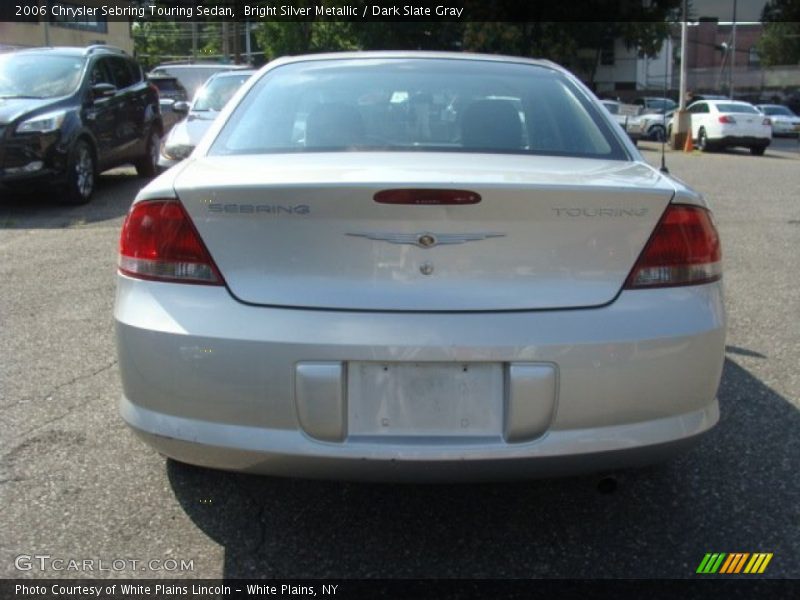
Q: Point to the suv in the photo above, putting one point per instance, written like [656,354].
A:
[68,113]
[655,104]
[170,91]
[192,76]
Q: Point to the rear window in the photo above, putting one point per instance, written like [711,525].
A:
[191,77]
[737,108]
[444,105]
[166,85]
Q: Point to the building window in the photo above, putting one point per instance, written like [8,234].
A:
[607,53]
[752,57]
[64,18]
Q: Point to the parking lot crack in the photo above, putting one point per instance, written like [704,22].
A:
[49,395]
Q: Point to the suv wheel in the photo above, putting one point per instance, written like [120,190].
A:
[757,150]
[147,165]
[81,174]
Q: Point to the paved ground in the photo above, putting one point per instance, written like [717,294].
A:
[75,483]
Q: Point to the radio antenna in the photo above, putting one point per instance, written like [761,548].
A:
[664,136]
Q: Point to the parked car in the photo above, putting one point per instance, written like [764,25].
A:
[207,104]
[655,104]
[626,115]
[68,113]
[784,121]
[170,91]
[192,76]
[655,125]
[402,290]
[727,123]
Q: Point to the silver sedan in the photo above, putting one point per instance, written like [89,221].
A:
[419,266]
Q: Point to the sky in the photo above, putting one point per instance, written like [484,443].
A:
[746,10]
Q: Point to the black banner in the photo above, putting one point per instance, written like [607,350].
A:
[417,589]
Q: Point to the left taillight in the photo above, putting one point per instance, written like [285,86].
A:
[159,242]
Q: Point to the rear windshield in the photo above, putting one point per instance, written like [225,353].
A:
[167,85]
[192,78]
[443,105]
[737,108]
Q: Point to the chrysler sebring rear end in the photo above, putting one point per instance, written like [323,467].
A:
[418,266]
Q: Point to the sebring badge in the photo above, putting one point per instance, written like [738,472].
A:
[426,239]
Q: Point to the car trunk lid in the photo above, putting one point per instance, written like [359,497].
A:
[306,231]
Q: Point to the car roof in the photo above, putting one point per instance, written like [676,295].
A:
[233,73]
[715,102]
[419,54]
[75,50]
[221,67]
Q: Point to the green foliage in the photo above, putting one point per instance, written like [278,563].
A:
[780,42]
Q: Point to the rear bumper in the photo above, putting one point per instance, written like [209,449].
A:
[292,454]
[210,381]
[738,140]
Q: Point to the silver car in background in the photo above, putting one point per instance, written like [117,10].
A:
[374,267]
[207,104]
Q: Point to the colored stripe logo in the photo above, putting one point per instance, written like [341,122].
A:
[734,563]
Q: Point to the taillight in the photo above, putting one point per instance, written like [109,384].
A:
[683,250]
[727,119]
[159,241]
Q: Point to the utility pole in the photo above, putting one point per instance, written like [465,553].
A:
[683,120]
[733,50]
[225,46]
[194,41]
[247,44]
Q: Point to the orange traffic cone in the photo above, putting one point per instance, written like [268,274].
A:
[689,145]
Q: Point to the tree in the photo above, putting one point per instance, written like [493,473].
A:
[780,42]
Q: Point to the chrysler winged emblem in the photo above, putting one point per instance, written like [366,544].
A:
[426,239]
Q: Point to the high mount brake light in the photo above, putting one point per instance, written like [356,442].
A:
[427,196]
[159,242]
[684,249]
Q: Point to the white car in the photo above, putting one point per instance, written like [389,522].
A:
[418,283]
[726,123]
[784,121]
[655,125]
[626,115]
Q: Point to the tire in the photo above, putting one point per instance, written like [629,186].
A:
[657,133]
[147,165]
[757,150]
[702,141]
[81,174]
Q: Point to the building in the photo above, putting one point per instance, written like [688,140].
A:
[621,72]
[56,28]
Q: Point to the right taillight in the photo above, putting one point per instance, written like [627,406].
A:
[684,249]
[159,242]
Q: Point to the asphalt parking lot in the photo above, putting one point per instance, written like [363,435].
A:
[76,484]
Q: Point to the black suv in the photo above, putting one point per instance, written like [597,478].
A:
[68,113]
